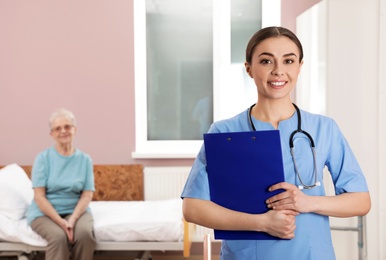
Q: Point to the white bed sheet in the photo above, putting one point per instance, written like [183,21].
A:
[138,220]
[121,221]
[19,231]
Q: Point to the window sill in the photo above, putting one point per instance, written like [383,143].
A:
[148,155]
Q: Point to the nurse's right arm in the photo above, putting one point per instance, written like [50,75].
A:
[279,223]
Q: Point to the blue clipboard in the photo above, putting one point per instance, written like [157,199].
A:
[241,167]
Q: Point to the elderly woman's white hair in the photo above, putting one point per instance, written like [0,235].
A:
[62,112]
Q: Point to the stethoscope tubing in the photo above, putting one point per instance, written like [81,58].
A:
[291,145]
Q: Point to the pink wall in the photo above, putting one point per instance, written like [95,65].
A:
[290,9]
[78,55]
[72,54]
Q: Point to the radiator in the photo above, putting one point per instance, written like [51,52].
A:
[164,182]
[167,183]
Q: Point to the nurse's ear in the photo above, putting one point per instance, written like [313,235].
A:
[300,66]
[248,69]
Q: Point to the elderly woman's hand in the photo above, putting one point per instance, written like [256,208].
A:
[68,228]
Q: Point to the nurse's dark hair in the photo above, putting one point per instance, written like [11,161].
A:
[270,32]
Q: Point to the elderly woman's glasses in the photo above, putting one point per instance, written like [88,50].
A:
[59,129]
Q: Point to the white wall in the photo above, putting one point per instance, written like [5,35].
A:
[344,77]
[355,98]
[311,28]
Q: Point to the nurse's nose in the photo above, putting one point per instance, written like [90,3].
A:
[277,71]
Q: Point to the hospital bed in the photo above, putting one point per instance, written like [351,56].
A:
[123,221]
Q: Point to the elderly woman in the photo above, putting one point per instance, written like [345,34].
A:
[63,183]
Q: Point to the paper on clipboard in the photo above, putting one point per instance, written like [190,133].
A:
[241,167]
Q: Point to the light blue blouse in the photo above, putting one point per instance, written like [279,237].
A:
[312,235]
[64,177]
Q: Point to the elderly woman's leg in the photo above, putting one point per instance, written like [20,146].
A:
[84,241]
[57,248]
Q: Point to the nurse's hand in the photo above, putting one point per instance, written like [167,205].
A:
[281,223]
[291,199]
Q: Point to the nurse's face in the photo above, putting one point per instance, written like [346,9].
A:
[275,67]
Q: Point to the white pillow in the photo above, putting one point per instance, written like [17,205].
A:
[16,192]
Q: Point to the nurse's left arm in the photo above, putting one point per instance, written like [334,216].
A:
[347,204]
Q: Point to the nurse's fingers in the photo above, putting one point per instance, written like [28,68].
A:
[290,212]
[290,193]
[293,200]
[282,185]
[281,224]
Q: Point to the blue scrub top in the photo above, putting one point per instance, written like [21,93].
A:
[312,235]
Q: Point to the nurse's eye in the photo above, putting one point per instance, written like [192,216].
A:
[265,61]
[289,61]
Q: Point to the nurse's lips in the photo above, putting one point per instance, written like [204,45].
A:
[277,84]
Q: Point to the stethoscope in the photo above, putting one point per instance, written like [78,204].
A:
[291,145]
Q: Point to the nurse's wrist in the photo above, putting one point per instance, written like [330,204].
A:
[313,205]
[260,222]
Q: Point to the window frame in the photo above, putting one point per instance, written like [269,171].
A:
[222,91]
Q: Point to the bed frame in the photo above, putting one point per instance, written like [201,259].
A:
[112,183]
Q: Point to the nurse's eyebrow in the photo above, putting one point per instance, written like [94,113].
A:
[270,54]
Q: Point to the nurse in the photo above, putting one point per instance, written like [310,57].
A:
[299,216]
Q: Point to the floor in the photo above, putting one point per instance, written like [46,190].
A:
[164,256]
[196,254]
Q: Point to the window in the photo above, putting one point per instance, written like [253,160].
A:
[189,70]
